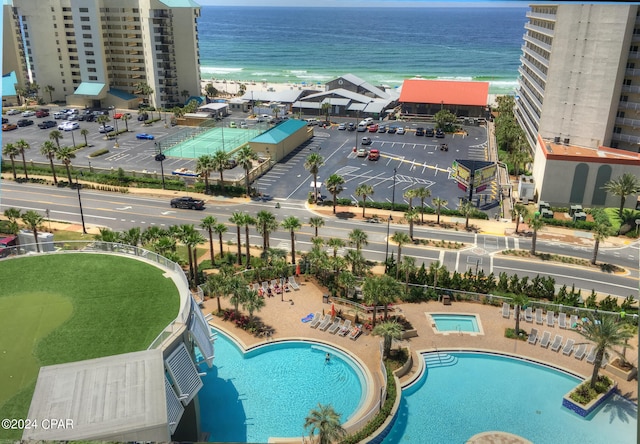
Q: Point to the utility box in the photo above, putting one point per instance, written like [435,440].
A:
[526,188]
[27,242]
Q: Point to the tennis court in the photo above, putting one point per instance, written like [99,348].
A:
[192,143]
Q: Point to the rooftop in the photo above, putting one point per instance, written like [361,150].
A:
[9,84]
[560,151]
[280,132]
[449,92]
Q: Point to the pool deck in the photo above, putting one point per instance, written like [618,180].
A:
[285,318]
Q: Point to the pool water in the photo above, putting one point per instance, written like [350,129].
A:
[449,322]
[269,391]
[462,394]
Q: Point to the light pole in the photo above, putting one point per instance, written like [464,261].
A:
[116,132]
[386,251]
[84,230]
[73,140]
[393,193]
[90,169]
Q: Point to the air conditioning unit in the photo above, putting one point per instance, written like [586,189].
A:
[556,139]
[566,141]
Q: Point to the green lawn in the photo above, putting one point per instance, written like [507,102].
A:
[63,308]
[616,220]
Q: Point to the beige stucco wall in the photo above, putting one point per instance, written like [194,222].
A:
[276,152]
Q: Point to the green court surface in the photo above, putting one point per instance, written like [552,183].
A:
[56,309]
[194,142]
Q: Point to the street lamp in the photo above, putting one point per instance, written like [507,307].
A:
[393,193]
[84,230]
[116,133]
[386,252]
[73,139]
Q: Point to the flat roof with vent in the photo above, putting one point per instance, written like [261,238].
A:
[557,149]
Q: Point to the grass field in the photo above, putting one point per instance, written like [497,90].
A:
[64,308]
[616,220]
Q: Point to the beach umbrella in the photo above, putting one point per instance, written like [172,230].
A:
[297,269]
[333,310]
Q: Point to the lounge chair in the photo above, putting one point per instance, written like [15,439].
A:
[591,357]
[581,350]
[528,314]
[551,320]
[265,286]
[355,332]
[533,336]
[255,286]
[562,320]
[273,284]
[557,343]
[545,339]
[293,283]
[573,321]
[568,347]
[539,316]
[335,326]
[318,320]
[506,310]
[346,327]
[325,323]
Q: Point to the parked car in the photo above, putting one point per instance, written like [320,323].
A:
[382,129]
[118,115]
[429,132]
[9,126]
[5,245]
[143,117]
[374,154]
[187,202]
[12,112]
[439,134]
[373,128]
[351,126]
[46,124]
[419,131]
[89,117]
[232,125]
[28,113]
[244,125]
[231,163]
[5,120]
[362,128]
[106,129]
[72,117]
[342,127]
[362,152]
[59,115]
[68,126]
[160,157]
[25,122]
[391,130]
[42,113]
[444,147]
[367,141]
[144,136]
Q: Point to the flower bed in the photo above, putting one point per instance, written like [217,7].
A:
[583,399]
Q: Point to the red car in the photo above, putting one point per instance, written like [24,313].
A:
[373,128]
[42,113]
[118,115]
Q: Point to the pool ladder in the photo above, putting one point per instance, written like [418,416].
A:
[437,352]
[459,329]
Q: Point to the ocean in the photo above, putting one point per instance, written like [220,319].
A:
[383,46]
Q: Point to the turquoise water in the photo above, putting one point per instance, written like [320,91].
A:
[462,394]
[383,46]
[447,322]
[270,390]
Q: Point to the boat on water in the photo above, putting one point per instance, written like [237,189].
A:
[184,172]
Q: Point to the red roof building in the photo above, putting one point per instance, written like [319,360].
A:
[464,99]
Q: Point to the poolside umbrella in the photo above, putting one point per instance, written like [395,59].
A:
[333,310]
[297,270]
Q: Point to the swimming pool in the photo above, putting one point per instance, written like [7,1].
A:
[462,394]
[463,323]
[268,391]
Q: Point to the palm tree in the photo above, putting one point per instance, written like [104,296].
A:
[238,219]
[389,330]
[84,133]
[208,223]
[535,223]
[108,235]
[266,224]
[126,118]
[357,261]
[313,163]
[103,120]
[520,211]
[210,90]
[185,94]
[247,221]
[326,421]
[407,266]
[325,109]
[12,151]
[466,209]
[409,195]
[56,135]
[334,186]
[411,216]
[190,237]
[65,154]
[316,222]
[13,214]
[152,234]
[22,146]
[363,190]
[245,157]
[220,229]
[216,285]
[143,89]
[219,163]
[519,301]
[400,239]
[600,232]
[623,186]
[132,236]
[380,290]
[204,166]
[49,89]
[252,302]
[439,203]
[422,193]
[358,238]
[33,220]
[605,333]
[292,223]
[49,150]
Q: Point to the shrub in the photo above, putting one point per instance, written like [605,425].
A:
[99,152]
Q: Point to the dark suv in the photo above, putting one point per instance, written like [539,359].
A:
[419,131]
[24,122]
[429,132]
[188,203]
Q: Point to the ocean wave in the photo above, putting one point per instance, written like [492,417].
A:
[218,70]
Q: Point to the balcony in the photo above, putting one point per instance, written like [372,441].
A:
[538,87]
[540,29]
[634,89]
[634,123]
[535,55]
[536,42]
[533,68]
[632,72]
[628,138]
[531,97]
[541,16]
[634,55]
[525,105]
[629,105]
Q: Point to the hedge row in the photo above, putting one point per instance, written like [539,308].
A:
[477,214]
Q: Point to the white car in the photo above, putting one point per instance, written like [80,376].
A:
[106,128]
[362,152]
[28,113]
[68,126]
[72,117]
[400,130]
[12,112]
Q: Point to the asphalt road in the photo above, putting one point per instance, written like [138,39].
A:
[123,211]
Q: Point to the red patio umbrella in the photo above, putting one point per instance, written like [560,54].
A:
[297,270]
[333,311]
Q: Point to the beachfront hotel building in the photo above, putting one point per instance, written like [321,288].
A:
[579,88]
[94,52]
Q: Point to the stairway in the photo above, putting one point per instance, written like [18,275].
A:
[439,359]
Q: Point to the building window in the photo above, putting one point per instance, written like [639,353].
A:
[624,98]
[88,45]
[86,27]
[93,78]
[620,114]
[84,9]
[91,69]
[88,53]
[617,130]
[86,36]
[84,19]
[91,62]
[627,82]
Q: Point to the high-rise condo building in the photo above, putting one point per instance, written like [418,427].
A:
[102,52]
[579,98]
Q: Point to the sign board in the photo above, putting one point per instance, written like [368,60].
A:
[461,173]
[485,175]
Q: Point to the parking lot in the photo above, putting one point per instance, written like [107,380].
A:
[406,160]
